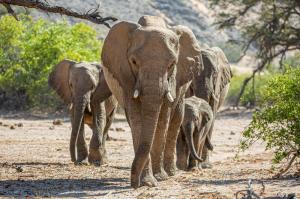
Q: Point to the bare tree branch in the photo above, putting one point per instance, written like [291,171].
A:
[93,16]
[10,10]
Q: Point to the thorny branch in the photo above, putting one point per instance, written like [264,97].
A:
[92,15]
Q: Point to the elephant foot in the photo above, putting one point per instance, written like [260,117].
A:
[161,175]
[134,181]
[82,154]
[97,157]
[171,169]
[206,165]
[81,163]
[73,159]
[194,168]
[148,180]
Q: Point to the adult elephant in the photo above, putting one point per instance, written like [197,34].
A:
[82,86]
[149,67]
[212,85]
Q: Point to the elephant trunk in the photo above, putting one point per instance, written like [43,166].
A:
[79,106]
[151,101]
[188,132]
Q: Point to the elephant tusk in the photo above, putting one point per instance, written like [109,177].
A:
[71,106]
[89,107]
[136,93]
[169,96]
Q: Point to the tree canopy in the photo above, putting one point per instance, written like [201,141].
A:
[271,26]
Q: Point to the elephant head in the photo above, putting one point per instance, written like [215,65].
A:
[75,84]
[216,75]
[144,67]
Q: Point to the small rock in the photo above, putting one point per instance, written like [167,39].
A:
[119,129]
[57,122]
[20,124]
[229,138]
[111,129]
[1,123]
[51,127]
[19,169]
[58,149]
[12,127]
[5,125]
[232,133]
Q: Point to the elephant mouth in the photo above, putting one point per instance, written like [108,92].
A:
[88,117]
[137,91]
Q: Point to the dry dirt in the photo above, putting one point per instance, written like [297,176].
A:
[34,161]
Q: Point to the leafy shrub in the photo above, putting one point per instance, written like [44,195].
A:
[28,51]
[278,124]
[248,98]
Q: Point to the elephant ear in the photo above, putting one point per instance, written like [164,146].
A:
[59,80]
[206,111]
[189,59]
[117,69]
[224,67]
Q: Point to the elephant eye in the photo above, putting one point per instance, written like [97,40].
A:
[133,61]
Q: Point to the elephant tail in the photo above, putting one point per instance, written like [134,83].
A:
[208,144]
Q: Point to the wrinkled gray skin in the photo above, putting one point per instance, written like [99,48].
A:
[82,86]
[193,136]
[211,85]
[148,67]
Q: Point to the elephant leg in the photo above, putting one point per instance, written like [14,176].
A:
[109,121]
[173,131]
[182,152]
[158,146]
[135,123]
[97,151]
[82,151]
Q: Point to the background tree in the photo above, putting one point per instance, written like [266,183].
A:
[271,26]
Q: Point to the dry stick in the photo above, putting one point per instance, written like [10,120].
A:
[93,16]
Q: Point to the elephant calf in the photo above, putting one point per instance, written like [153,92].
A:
[193,134]
[82,86]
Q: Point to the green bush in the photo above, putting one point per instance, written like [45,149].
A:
[278,124]
[28,51]
[249,97]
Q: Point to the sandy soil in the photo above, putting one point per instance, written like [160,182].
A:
[34,161]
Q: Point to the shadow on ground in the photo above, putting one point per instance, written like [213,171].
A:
[61,187]
[284,181]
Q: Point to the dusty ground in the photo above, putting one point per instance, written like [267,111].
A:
[34,161]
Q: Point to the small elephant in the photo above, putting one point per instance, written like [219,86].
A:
[212,85]
[148,67]
[82,86]
[197,120]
